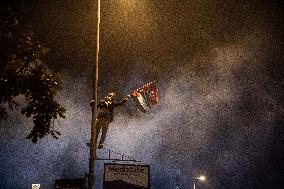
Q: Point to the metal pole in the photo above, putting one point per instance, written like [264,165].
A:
[93,140]
[109,155]
[193,185]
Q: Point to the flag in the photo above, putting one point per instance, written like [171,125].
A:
[146,96]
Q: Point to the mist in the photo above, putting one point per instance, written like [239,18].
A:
[219,72]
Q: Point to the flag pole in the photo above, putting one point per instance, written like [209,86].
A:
[93,140]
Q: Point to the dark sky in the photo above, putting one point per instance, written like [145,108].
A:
[219,67]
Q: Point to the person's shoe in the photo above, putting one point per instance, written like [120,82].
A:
[100,146]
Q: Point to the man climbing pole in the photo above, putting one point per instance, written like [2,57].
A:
[105,115]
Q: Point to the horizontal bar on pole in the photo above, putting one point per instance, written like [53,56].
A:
[99,159]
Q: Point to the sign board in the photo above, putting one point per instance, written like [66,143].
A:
[35,186]
[126,176]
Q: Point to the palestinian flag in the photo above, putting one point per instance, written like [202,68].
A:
[146,96]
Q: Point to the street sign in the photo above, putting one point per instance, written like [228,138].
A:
[126,176]
[35,186]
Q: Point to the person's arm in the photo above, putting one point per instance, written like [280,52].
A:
[99,103]
[122,102]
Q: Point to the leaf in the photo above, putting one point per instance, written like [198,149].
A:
[23,72]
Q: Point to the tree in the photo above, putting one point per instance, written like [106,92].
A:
[23,73]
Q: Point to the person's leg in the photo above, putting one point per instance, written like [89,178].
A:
[104,132]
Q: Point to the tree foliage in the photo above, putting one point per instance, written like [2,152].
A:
[23,73]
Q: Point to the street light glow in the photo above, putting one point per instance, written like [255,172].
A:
[202,178]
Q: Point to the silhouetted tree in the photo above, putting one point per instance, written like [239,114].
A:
[22,73]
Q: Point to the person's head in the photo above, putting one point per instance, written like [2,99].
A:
[110,96]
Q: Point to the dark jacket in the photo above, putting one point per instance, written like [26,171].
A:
[106,109]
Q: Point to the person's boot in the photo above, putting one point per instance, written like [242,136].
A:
[100,146]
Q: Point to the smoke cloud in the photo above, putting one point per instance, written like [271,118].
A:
[221,105]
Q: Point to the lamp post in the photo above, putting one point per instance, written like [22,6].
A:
[201,178]
[93,140]
[95,78]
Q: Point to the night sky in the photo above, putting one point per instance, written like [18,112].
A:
[220,73]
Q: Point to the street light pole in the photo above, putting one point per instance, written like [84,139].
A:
[201,178]
[93,140]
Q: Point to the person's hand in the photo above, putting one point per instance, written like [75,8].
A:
[92,103]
